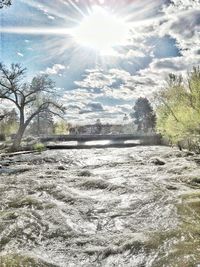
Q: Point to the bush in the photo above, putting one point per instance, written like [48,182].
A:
[39,147]
[178,112]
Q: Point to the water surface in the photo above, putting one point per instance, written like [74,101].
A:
[101,207]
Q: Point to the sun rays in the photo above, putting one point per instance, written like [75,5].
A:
[37,31]
[101,31]
[91,30]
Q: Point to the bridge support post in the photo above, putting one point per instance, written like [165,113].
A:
[80,143]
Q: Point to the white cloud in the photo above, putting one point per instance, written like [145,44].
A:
[50,17]
[92,107]
[185,28]
[54,70]
[20,54]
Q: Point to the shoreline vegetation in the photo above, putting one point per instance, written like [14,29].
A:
[178,110]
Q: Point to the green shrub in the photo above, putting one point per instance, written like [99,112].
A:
[178,112]
[39,147]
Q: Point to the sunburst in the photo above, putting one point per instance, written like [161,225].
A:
[88,32]
[102,31]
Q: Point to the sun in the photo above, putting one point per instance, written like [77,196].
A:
[102,31]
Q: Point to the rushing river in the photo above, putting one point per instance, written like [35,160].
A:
[134,207]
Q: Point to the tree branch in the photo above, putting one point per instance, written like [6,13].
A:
[43,107]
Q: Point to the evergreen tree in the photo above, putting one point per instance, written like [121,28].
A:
[143,115]
[42,124]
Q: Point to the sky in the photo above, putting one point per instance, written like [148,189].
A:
[102,54]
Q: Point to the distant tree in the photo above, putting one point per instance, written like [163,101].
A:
[125,118]
[43,123]
[9,122]
[62,127]
[24,97]
[143,115]
[5,3]
[98,126]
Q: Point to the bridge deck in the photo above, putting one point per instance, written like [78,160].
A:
[87,138]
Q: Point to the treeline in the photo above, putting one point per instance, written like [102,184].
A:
[44,123]
[178,111]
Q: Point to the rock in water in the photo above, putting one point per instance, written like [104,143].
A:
[158,161]
[61,168]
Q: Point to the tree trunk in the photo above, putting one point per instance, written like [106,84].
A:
[38,125]
[18,138]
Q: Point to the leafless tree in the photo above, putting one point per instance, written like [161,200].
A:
[30,99]
[3,114]
[5,3]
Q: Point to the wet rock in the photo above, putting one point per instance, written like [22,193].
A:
[61,168]
[196,180]
[189,153]
[157,161]
[179,154]
[5,164]
[85,173]
[50,173]
[171,187]
[197,160]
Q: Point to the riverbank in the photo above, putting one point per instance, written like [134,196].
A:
[100,207]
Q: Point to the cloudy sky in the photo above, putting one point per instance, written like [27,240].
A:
[103,54]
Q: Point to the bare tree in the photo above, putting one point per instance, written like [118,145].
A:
[24,96]
[3,115]
[5,3]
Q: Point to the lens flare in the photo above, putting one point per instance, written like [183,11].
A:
[101,31]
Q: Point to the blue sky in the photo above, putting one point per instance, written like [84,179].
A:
[162,36]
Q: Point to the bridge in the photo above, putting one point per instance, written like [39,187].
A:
[115,140]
